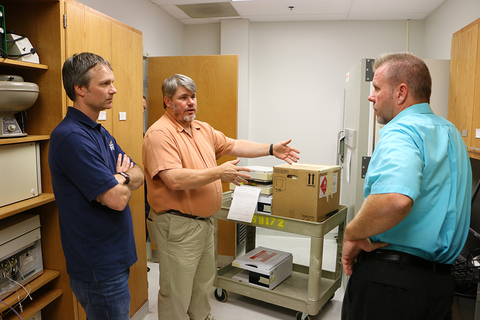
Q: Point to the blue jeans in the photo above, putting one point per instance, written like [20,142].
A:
[104,300]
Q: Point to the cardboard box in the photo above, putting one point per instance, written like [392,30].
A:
[264,267]
[306,191]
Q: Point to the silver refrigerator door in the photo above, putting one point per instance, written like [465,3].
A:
[359,134]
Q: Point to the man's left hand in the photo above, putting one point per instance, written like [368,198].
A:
[283,151]
[351,249]
[124,163]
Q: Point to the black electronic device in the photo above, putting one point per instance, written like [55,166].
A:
[3,34]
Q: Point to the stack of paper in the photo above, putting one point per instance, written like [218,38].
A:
[262,179]
[260,173]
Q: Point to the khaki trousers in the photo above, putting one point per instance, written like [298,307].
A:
[186,258]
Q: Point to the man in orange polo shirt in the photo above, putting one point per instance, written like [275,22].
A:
[185,190]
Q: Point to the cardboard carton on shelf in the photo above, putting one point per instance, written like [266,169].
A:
[306,191]
[264,267]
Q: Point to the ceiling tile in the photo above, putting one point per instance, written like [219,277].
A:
[311,10]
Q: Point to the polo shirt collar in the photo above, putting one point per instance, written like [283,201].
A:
[423,108]
[82,117]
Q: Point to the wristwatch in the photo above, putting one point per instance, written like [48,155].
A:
[126,176]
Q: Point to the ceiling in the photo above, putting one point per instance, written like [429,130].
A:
[208,11]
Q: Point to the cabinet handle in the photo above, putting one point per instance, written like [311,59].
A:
[474,149]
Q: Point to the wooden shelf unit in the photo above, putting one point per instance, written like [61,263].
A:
[22,64]
[21,206]
[36,305]
[42,21]
[30,307]
[29,138]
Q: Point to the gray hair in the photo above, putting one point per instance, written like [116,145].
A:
[171,84]
[75,71]
[405,67]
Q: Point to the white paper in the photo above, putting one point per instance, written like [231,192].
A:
[348,165]
[245,199]
[477,133]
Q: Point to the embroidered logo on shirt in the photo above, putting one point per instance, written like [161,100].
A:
[112,147]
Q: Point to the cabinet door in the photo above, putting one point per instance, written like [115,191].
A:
[121,45]
[475,116]
[127,63]
[462,82]
[86,31]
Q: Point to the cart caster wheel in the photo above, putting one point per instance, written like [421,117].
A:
[220,295]
[302,316]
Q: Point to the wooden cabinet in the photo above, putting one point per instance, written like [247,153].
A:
[464,96]
[57,29]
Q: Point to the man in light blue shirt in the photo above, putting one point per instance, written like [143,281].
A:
[414,221]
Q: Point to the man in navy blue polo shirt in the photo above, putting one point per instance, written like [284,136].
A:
[93,180]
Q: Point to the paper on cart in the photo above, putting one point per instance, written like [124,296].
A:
[244,203]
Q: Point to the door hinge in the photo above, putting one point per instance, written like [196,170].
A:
[64,21]
[365,163]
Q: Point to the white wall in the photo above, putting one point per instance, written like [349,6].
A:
[450,17]
[297,69]
[202,39]
[162,34]
[297,79]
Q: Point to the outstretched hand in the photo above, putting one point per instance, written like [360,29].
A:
[283,151]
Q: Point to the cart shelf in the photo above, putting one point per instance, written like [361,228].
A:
[309,287]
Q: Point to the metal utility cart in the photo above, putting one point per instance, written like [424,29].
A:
[308,288]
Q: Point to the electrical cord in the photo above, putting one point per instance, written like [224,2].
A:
[9,276]
[28,293]
[11,309]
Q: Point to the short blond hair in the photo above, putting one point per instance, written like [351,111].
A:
[405,67]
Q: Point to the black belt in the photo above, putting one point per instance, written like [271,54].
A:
[403,258]
[186,215]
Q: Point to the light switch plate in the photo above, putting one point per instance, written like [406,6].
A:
[350,137]
[102,116]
